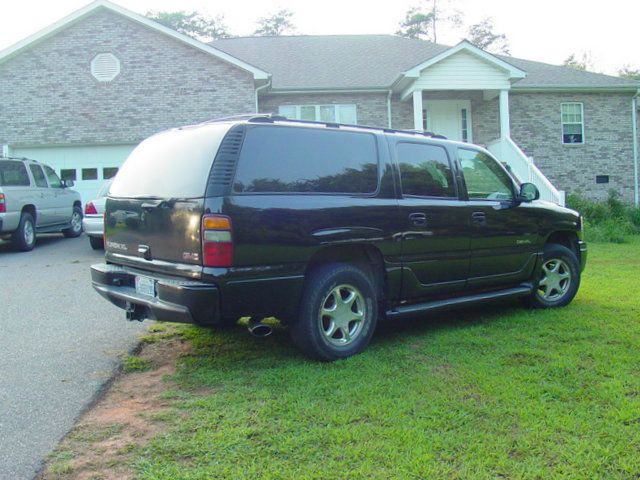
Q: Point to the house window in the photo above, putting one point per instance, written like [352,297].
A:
[425,120]
[337,113]
[68,174]
[89,174]
[464,127]
[109,172]
[572,123]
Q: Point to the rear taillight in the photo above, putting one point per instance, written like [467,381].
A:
[3,205]
[217,241]
[90,209]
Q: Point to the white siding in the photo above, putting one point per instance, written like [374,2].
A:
[462,71]
[93,156]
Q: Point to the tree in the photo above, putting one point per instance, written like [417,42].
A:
[424,23]
[579,62]
[482,36]
[629,72]
[192,24]
[277,24]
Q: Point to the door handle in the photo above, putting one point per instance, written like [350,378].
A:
[419,219]
[479,218]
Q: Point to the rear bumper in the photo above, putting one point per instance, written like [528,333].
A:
[175,299]
[93,225]
[582,246]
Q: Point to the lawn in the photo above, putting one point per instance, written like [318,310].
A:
[496,392]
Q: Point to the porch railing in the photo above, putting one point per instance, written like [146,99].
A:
[506,150]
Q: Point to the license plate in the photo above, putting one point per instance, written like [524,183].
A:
[146,286]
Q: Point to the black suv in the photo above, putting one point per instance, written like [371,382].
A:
[327,227]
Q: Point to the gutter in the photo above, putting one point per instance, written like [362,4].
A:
[634,122]
[268,84]
[389,108]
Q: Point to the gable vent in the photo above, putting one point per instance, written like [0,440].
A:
[224,165]
[105,67]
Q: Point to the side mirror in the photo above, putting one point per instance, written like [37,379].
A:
[67,183]
[529,192]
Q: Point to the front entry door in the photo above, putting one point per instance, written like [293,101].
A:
[451,118]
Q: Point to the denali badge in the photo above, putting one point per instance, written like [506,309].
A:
[116,245]
[190,256]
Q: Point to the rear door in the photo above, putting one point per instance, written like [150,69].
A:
[62,199]
[155,204]
[435,237]
[503,236]
[45,197]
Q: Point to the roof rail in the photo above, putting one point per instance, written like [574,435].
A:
[2,157]
[272,117]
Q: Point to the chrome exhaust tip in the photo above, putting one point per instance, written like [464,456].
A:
[259,329]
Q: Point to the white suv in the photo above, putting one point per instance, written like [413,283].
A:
[34,200]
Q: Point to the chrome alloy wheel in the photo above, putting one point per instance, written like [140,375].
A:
[342,314]
[555,281]
[29,233]
[76,222]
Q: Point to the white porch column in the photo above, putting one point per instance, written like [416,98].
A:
[505,129]
[417,110]
[5,151]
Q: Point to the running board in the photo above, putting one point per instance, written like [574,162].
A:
[416,308]
[56,228]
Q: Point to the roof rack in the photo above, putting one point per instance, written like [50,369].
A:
[272,117]
[2,157]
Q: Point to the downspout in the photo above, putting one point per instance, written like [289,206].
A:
[389,108]
[268,84]
[634,121]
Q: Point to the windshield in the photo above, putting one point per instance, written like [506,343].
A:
[172,164]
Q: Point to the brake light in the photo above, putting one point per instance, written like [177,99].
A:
[90,209]
[3,205]
[217,241]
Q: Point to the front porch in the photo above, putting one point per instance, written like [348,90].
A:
[463,94]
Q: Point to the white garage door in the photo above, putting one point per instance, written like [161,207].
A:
[87,166]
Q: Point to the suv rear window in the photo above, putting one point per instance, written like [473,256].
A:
[13,174]
[172,164]
[289,159]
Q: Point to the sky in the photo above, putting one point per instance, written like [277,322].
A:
[544,30]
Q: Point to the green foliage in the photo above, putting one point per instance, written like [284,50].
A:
[417,24]
[192,24]
[482,36]
[480,393]
[423,21]
[135,364]
[277,24]
[629,72]
[610,221]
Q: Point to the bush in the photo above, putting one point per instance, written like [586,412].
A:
[610,221]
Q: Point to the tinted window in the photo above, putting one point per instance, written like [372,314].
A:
[38,175]
[484,177]
[54,181]
[285,159]
[13,174]
[171,164]
[425,170]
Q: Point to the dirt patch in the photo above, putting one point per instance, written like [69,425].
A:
[100,446]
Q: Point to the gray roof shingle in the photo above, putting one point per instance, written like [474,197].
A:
[375,61]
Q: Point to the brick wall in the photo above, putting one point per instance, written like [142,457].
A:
[608,147]
[48,95]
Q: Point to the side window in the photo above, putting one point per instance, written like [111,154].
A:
[13,174]
[313,160]
[54,181]
[485,179]
[38,175]
[425,170]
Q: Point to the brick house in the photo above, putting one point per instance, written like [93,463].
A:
[83,92]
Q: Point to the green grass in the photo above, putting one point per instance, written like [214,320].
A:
[489,393]
[132,364]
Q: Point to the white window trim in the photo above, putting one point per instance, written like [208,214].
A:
[317,110]
[562,124]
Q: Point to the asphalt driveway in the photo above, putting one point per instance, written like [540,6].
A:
[59,345]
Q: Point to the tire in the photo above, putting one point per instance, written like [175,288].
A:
[559,278]
[24,238]
[76,224]
[338,312]
[97,243]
